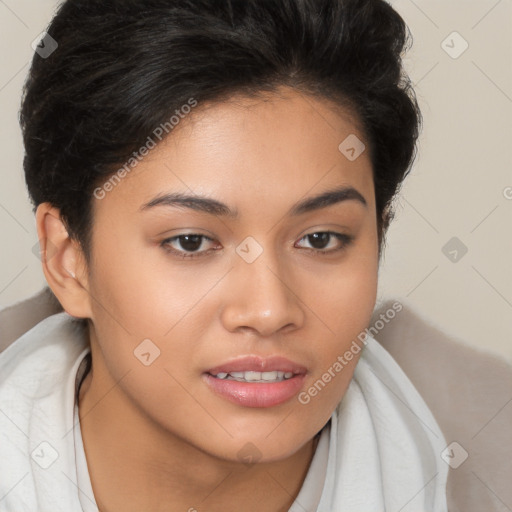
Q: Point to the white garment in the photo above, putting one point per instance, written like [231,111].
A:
[380,452]
[86,494]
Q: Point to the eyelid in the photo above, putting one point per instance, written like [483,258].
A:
[186,230]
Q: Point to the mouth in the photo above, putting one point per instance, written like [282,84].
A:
[250,376]
[256,382]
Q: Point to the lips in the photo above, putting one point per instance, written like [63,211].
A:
[258,364]
[256,382]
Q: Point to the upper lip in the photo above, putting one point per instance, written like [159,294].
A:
[258,364]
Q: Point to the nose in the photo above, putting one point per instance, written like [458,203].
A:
[262,299]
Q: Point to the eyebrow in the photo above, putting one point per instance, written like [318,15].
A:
[214,207]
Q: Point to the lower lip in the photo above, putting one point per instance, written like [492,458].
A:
[256,394]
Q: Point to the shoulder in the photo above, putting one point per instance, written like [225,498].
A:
[37,396]
[18,318]
[45,350]
[39,362]
[469,392]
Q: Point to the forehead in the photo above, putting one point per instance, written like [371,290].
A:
[275,148]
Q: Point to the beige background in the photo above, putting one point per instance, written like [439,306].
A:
[460,186]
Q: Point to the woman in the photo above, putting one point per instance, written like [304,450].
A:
[213,182]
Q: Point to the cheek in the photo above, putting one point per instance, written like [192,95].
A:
[354,299]
[342,311]
[145,292]
[343,297]
[143,296]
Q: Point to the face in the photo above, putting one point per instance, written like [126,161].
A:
[224,288]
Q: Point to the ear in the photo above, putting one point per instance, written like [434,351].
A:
[63,262]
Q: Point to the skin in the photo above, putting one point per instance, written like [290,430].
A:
[156,437]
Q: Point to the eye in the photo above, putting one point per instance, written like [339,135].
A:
[188,245]
[326,242]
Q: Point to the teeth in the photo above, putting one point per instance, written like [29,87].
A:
[275,376]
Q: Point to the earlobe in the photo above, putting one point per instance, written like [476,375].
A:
[63,262]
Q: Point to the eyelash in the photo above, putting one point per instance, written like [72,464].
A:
[345,239]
